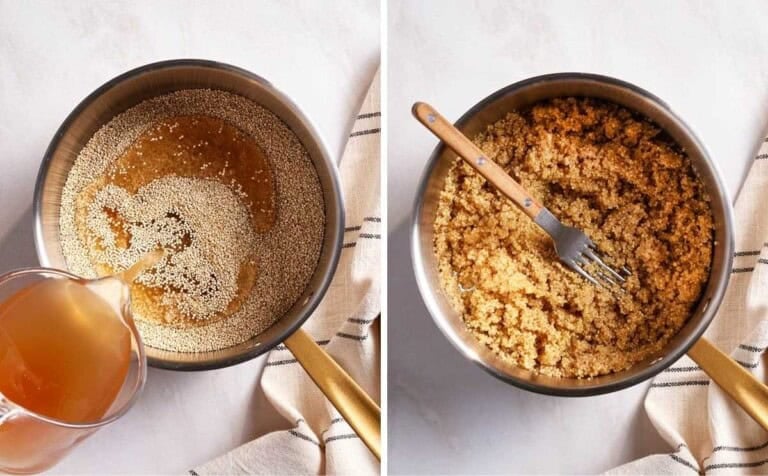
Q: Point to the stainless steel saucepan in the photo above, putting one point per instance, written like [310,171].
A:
[156,79]
[521,95]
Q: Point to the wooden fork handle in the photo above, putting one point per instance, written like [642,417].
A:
[475,157]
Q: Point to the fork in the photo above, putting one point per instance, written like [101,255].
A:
[573,246]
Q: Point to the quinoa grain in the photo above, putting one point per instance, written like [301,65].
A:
[602,169]
[207,223]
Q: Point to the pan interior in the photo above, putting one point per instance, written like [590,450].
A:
[154,80]
[494,108]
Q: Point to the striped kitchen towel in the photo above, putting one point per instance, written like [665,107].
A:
[708,432]
[321,442]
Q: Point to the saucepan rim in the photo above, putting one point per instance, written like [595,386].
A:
[334,208]
[419,250]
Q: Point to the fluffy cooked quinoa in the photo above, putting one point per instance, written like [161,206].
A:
[616,176]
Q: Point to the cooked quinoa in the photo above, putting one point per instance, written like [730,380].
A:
[609,172]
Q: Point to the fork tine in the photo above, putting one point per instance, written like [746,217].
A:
[575,266]
[580,260]
[592,253]
[616,287]
[606,277]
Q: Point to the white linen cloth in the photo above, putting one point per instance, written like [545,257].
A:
[707,431]
[321,442]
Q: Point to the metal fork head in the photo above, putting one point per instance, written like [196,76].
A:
[578,252]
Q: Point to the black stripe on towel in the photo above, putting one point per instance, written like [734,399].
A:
[370,114]
[193,473]
[352,228]
[747,365]
[684,463]
[688,383]
[349,245]
[692,368]
[742,270]
[761,156]
[365,132]
[303,437]
[695,368]
[277,363]
[738,448]
[370,236]
[341,437]
[333,422]
[360,321]
[752,348]
[351,336]
[747,253]
[372,219]
[736,465]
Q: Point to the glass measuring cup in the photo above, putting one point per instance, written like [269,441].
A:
[31,442]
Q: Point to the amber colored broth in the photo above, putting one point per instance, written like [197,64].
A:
[64,352]
[194,146]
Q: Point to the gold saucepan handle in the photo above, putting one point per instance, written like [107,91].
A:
[742,386]
[357,408]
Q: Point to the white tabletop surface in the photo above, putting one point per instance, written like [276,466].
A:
[708,60]
[52,54]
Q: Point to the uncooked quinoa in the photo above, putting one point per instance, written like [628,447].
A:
[224,188]
[609,172]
